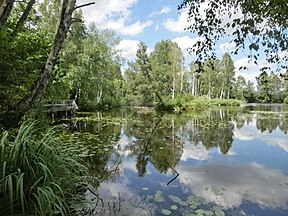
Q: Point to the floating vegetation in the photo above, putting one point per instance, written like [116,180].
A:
[246,195]
[175,199]
[145,188]
[174,207]
[193,201]
[202,212]
[183,203]
[166,212]
[216,190]
[219,213]
[158,196]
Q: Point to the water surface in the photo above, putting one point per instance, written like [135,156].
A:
[217,162]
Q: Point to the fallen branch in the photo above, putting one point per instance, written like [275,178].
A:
[175,176]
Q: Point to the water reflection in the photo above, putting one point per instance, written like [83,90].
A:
[226,157]
[229,185]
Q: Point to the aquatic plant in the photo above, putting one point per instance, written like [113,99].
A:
[36,177]
[166,212]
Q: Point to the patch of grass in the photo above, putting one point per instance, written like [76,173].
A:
[225,102]
[286,100]
[35,178]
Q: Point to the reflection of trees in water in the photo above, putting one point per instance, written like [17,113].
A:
[270,122]
[283,125]
[156,141]
[159,138]
[217,131]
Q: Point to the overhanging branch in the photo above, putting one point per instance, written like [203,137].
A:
[84,5]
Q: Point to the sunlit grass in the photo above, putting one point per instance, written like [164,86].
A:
[35,176]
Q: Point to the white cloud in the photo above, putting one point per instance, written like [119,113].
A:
[165,10]
[253,182]
[252,71]
[227,47]
[252,133]
[179,24]
[197,152]
[184,43]
[114,15]
[128,48]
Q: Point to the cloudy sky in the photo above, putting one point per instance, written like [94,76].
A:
[151,21]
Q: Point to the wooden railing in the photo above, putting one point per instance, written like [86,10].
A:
[54,106]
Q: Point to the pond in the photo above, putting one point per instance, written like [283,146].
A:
[218,162]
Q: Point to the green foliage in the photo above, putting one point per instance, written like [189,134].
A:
[20,60]
[262,28]
[225,102]
[286,100]
[34,176]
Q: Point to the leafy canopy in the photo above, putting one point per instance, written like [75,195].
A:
[253,24]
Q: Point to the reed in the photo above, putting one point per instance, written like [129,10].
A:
[36,176]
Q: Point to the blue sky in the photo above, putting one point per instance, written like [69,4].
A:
[151,21]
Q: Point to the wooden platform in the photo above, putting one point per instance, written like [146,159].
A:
[61,106]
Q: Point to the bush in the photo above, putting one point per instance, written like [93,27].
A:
[286,100]
[225,102]
[35,176]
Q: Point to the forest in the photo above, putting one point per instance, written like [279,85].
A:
[88,69]
[48,54]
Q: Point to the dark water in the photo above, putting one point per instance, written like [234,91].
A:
[219,162]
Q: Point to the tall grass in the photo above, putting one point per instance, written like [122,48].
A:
[36,177]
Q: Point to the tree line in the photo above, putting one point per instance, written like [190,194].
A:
[46,53]
[162,72]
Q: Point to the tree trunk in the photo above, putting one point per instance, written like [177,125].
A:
[5,9]
[68,7]
[23,17]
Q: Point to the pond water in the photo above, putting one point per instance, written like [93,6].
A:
[218,162]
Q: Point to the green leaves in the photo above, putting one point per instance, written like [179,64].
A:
[34,176]
[261,24]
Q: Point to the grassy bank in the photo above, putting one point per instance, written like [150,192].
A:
[36,176]
[190,103]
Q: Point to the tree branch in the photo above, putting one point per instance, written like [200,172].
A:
[84,5]
[5,9]
[24,16]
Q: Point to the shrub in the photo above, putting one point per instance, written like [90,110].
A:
[286,100]
[35,178]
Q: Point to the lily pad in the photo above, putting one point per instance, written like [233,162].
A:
[219,213]
[145,188]
[183,203]
[158,196]
[216,190]
[174,207]
[175,199]
[246,195]
[200,212]
[209,213]
[193,206]
[166,212]
[192,200]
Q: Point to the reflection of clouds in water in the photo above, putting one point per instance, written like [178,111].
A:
[112,192]
[122,144]
[230,152]
[198,152]
[234,183]
[248,133]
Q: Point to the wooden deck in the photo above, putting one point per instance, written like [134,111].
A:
[61,106]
